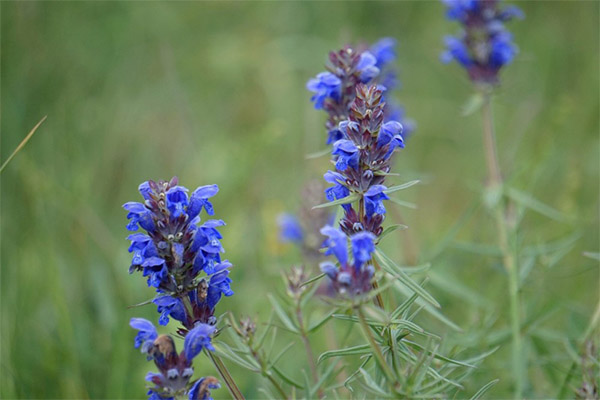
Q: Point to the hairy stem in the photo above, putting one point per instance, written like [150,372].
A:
[376,350]
[307,347]
[508,254]
[224,372]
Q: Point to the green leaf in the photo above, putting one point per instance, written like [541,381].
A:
[348,351]
[286,378]
[227,352]
[484,389]
[345,200]
[473,104]
[311,280]
[528,201]
[318,154]
[391,229]
[403,203]
[393,269]
[592,255]
[281,353]
[436,355]
[282,315]
[396,188]
[317,324]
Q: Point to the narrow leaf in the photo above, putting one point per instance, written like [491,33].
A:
[484,389]
[345,200]
[393,269]
[396,188]
[348,351]
[528,201]
[318,154]
[22,144]
[282,314]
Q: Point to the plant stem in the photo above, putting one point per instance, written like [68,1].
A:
[309,353]
[494,184]
[376,350]
[224,372]
[361,218]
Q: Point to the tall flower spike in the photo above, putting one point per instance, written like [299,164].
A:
[181,258]
[177,248]
[175,369]
[335,90]
[362,161]
[352,277]
[484,46]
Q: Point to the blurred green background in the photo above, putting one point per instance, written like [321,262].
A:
[214,92]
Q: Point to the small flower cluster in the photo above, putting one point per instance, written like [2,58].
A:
[362,160]
[334,90]
[175,370]
[303,230]
[352,278]
[484,46]
[173,253]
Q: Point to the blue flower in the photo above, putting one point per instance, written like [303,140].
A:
[197,339]
[169,306]
[290,229]
[334,135]
[456,50]
[177,200]
[362,247]
[338,191]
[384,51]
[138,214]
[503,50]
[202,387]
[374,200]
[347,153]
[484,46]
[199,200]
[367,66]
[336,243]
[146,335]
[390,134]
[219,284]
[325,85]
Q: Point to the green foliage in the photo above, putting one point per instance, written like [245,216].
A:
[214,92]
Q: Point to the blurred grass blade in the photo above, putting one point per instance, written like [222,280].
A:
[528,201]
[316,325]
[484,389]
[22,144]
[592,255]
[345,200]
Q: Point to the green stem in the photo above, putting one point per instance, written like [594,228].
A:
[224,372]
[376,350]
[494,183]
[307,347]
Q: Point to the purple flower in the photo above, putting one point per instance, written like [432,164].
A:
[336,243]
[362,247]
[325,85]
[367,67]
[146,335]
[384,51]
[290,229]
[374,200]
[347,153]
[197,339]
[484,46]
[169,307]
[202,387]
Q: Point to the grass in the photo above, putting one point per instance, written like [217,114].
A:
[214,93]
